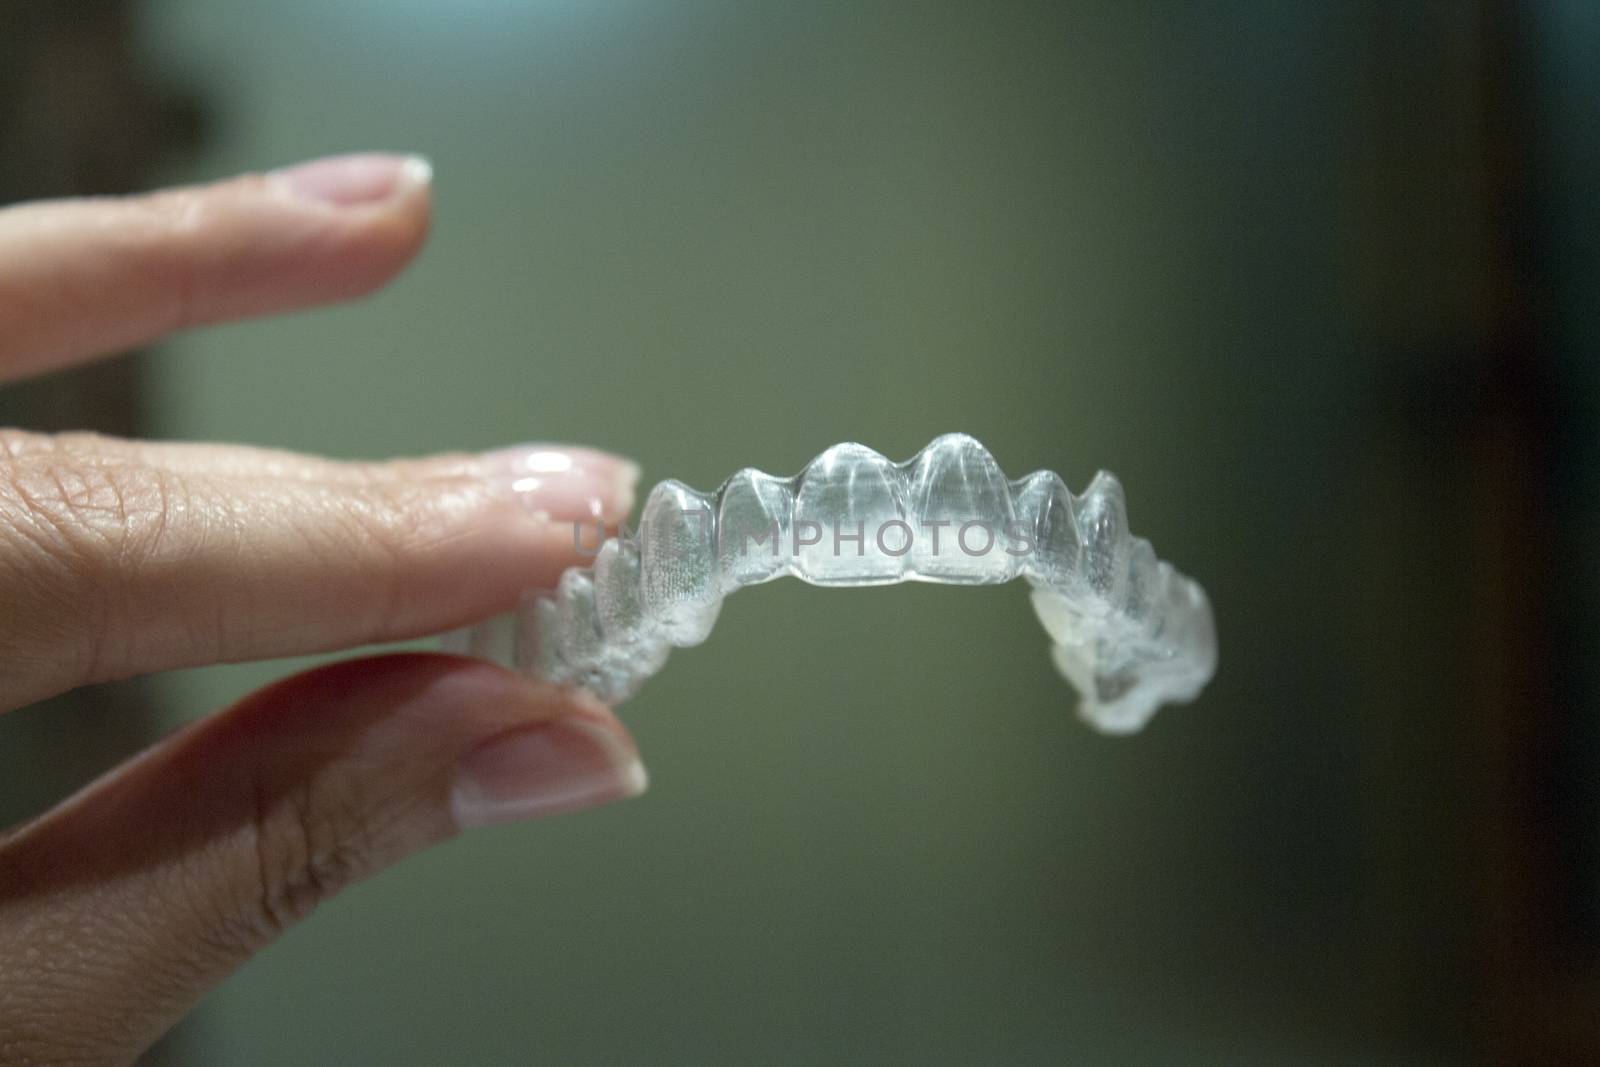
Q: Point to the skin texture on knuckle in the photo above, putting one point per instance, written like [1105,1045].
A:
[73,529]
[309,842]
[316,819]
[407,519]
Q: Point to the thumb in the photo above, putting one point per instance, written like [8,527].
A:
[121,908]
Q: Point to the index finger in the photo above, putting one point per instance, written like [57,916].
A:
[91,277]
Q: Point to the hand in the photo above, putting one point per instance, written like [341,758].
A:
[123,906]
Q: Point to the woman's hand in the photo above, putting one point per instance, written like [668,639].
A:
[123,906]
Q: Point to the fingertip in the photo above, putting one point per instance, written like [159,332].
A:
[536,749]
[361,251]
[566,763]
[510,747]
[314,233]
[356,180]
[361,220]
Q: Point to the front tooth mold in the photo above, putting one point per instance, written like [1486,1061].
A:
[849,519]
[1127,630]
[958,491]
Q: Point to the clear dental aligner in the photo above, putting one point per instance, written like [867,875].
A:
[1128,631]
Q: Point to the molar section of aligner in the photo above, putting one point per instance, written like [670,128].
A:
[679,582]
[619,604]
[1102,514]
[849,519]
[1189,632]
[755,513]
[959,508]
[1043,504]
[1124,682]
[623,668]
[1109,669]
[632,651]
[1125,690]
[1144,590]
[577,634]
[1119,700]
[536,645]
[1111,696]
[1060,617]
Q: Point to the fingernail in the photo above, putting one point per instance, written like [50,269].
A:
[346,181]
[563,765]
[557,482]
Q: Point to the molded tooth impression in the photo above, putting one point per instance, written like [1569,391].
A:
[1128,631]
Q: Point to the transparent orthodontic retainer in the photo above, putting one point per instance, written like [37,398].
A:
[1127,630]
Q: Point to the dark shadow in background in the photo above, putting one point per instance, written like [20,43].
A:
[1538,531]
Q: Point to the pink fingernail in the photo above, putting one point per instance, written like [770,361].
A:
[559,482]
[346,181]
[563,765]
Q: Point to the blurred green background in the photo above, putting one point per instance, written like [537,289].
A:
[1243,255]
